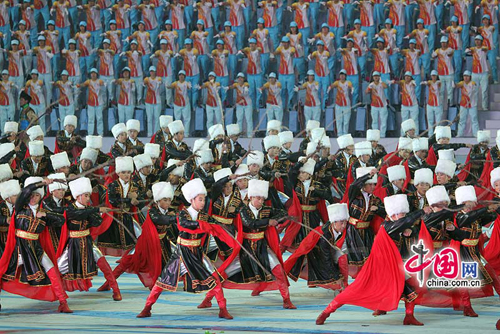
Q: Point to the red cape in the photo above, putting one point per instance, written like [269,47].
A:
[492,251]
[431,157]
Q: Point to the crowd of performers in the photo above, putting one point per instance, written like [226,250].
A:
[211,216]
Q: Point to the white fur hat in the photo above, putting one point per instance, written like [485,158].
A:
[94,142]
[271,141]
[142,160]
[175,126]
[285,137]
[34,132]
[448,154]
[241,170]
[446,167]
[361,171]
[483,136]
[308,166]
[396,172]
[443,132]
[57,185]
[312,124]
[408,125]
[273,125]
[178,171]
[325,142]
[6,148]
[345,140]
[233,129]
[11,127]
[162,190]
[9,188]
[258,188]
[494,176]
[71,120]
[396,204]
[338,212]
[373,135]
[222,173]
[312,146]
[89,154]
[124,164]
[153,150]
[420,144]
[134,124]
[5,172]
[35,179]
[362,148]
[60,160]
[255,157]
[201,144]
[465,194]
[193,188]
[317,134]
[423,175]
[165,120]
[36,148]
[204,156]
[216,130]
[405,143]
[437,194]
[117,129]
[80,186]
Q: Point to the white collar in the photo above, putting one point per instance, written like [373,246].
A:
[254,210]
[165,135]
[418,159]
[33,208]
[193,213]
[396,189]
[176,143]
[121,145]
[163,212]
[133,141]
[68,134]
[143,177]
[57,200]
[10,206]
[79,205]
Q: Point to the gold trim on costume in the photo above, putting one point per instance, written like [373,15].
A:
[188,242]
[79,234]
[162,235]
[223,220]
[308,207]
[470,242]
[437,244]
[26,235]
[253,236]
[359,224]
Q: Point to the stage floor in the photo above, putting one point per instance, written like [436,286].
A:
[96,312]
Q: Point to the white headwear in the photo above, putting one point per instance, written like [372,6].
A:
[60,160]
[408,125]
[35,179]
[70,120]
[423,175]
[5,172]
[200,144]
[443,132]
[465,194]
[396,172]
[312,124]
[11,127]
[448,154]
[124,164]
[258,188]
[118,129]
[222,173]
[271,141]
[80,186]
[483,136]
[10,188]
[405,143]
[241,170]
[325,142]
[396,204]
[308,166]
[175,126]
[36,148]
[233,129]
[94,142]
[420,144]
[204,156]
[361,171]
[285,137]
[89,154]
[178,171]
[34,132]
[153,150]
[312,146]
[165,120]
[255,157]
[6,148]
[193,188]
[338,212]
[57,185]
[373,135]
[345,140]
[273,125]
[362,148]
[446,167]
[215,130]
[317,134]
[494,176]
[142,160]
[437,194]
[162,190]
[133,124]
